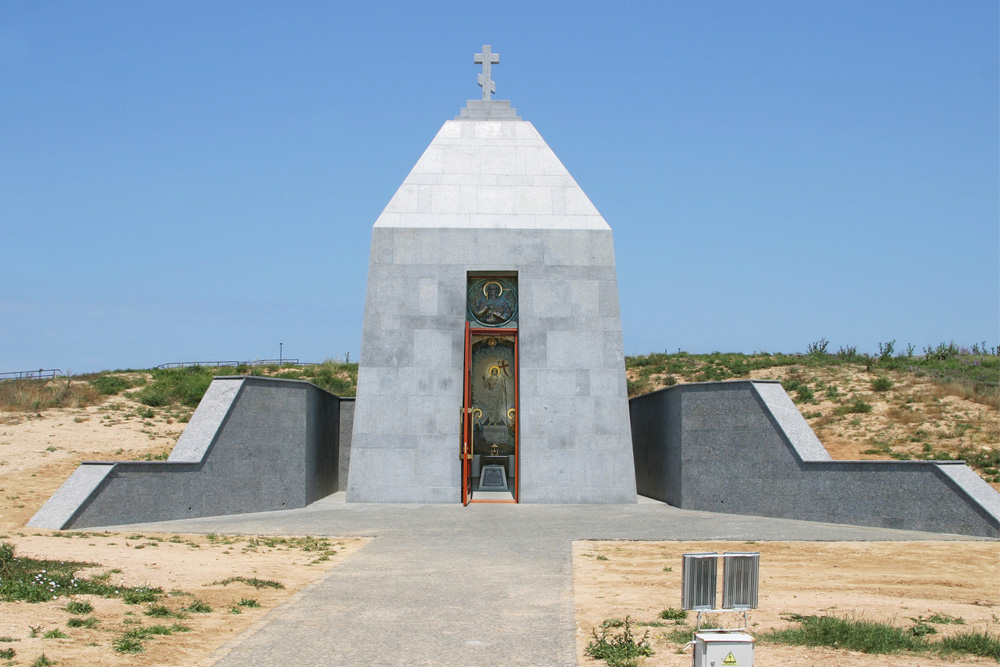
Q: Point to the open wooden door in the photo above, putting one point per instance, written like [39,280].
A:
[466,452]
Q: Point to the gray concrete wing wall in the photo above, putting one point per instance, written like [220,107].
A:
[742,447]
[253,444]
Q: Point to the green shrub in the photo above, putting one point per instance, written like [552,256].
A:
[881,383]
[89,622]
[160,611]
[75,607]
[619,650]
[856,406]
[109,385]
[7,654]
[198,607]
[127,645]
[671,614]
[186,386]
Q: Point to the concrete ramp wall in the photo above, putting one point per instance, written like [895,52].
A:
[254,444]
[743,447]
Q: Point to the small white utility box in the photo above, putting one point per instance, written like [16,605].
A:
[722,649]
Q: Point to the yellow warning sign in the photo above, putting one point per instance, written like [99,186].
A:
[730,660]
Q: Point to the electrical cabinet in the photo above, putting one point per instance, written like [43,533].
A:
[722,649]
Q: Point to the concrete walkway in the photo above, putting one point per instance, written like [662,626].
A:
[450,585]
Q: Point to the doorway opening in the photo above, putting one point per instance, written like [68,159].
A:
[490,434]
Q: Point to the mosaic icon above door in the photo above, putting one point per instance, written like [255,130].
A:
[492,302]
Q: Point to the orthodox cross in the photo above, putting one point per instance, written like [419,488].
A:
[486,59]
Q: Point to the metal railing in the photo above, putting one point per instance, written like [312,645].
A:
[40,374]
[255,362]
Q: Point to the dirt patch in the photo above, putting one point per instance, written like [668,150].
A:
[38,452]
[186,568]
[892,582]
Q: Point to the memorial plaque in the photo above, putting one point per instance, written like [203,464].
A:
[493,477]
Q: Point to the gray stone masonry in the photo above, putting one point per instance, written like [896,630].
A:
[489,196]
[743,447]
[253,444]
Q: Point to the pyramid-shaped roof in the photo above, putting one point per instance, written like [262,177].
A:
[485,171]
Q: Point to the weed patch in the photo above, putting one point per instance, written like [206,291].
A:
[198,607]
[257,583]
[853,635]
[671,614]
[141,595]
[127,645]
[982,644]
[36,580]
[881,638]
[75,607]
[160,611]
[857,406]
[619,650]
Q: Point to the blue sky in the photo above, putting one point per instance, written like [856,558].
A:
[198,180]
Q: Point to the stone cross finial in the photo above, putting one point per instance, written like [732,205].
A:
[486,59]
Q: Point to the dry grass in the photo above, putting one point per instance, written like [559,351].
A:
[966,392]
[35,395]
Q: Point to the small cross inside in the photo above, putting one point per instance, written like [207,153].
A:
[487,59]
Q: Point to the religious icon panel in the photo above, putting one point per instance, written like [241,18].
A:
[492,379]
[492,302]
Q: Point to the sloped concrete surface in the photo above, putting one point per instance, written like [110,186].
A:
[59,510]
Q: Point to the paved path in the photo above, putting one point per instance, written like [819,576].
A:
[446,585]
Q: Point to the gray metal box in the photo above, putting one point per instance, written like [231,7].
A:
[722,649]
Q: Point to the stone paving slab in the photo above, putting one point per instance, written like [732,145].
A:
[450,585]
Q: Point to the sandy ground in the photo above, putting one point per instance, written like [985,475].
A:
[891,582]
[38,451]
[186,568]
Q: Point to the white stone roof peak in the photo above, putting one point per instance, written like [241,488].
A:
[490,173]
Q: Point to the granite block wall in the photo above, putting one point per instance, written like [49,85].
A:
[574,417]
[253,444]
[743,447]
